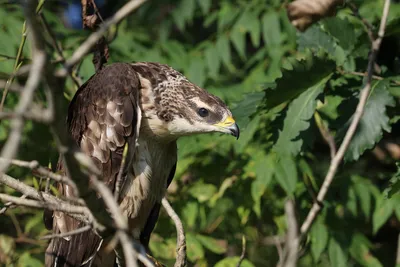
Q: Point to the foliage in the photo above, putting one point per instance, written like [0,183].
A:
[277,82]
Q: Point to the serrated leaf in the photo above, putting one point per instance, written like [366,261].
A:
[264,170]
[271,29]
[286,173]
[245,108]
[383,211]
[215,245]
[314,69]
[224,50]
[337,256]
[319,239]
[343,31]
[394,183]
[213,60]
[315,39]
[297,119]
[372,123]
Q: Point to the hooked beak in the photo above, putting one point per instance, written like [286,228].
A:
[229,126]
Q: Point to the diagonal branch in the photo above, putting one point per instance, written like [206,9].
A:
[353,126]
[181,260]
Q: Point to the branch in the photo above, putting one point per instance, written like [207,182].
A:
[34,166]
[60,206]
[70,233]
[38,62]
[292,238]
[329,139]
[181,240]
[94,37]
[243,251]
[353,126]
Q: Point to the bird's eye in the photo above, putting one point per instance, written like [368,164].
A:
[202,112]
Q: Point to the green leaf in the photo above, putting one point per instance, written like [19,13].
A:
[204,5]
[263,168]
[189,213]
[247,107]
[203,192]
[343,31]
[233,261]
[286,173]
[383,211]
[26,260]
[213,60]
[359,250]
[271,29]
[337,256]
[319,239]
[315,39]
[363,193]
[372,124]
[196,71]
[238,39]
[195,249]
[224,50]
[314,69]
[394,183]
[297,120]
[214,245]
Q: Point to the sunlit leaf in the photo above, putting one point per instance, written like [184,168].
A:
[337,255]
[319,238]
[297,120]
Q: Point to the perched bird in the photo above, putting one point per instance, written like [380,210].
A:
[147,106]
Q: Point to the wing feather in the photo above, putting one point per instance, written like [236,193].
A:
[103,116]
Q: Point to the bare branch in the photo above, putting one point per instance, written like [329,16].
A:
[9,205]
[353,126]
[181,240]
[60,206]
[71,233]
[326,134]
[16,66]
[94,37]
[13,87]
[34,166]
[292,237]
[38,62]
[243,251]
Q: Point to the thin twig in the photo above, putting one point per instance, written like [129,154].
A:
[292,237]
[9,205]
[13,87]
[57,47]
[16,66]
[368,26]
[243,251]
[329,139]
[353,126]
[61,206]
[39,59]
[34,166]
[181,240]
[362,74]
[84,48]
[70,233]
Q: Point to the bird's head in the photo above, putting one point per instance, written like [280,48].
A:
[174,107]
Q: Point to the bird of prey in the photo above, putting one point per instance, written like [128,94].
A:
[147,106]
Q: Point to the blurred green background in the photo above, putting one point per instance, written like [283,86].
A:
[282,86]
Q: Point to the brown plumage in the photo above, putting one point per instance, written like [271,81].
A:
[147,106]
